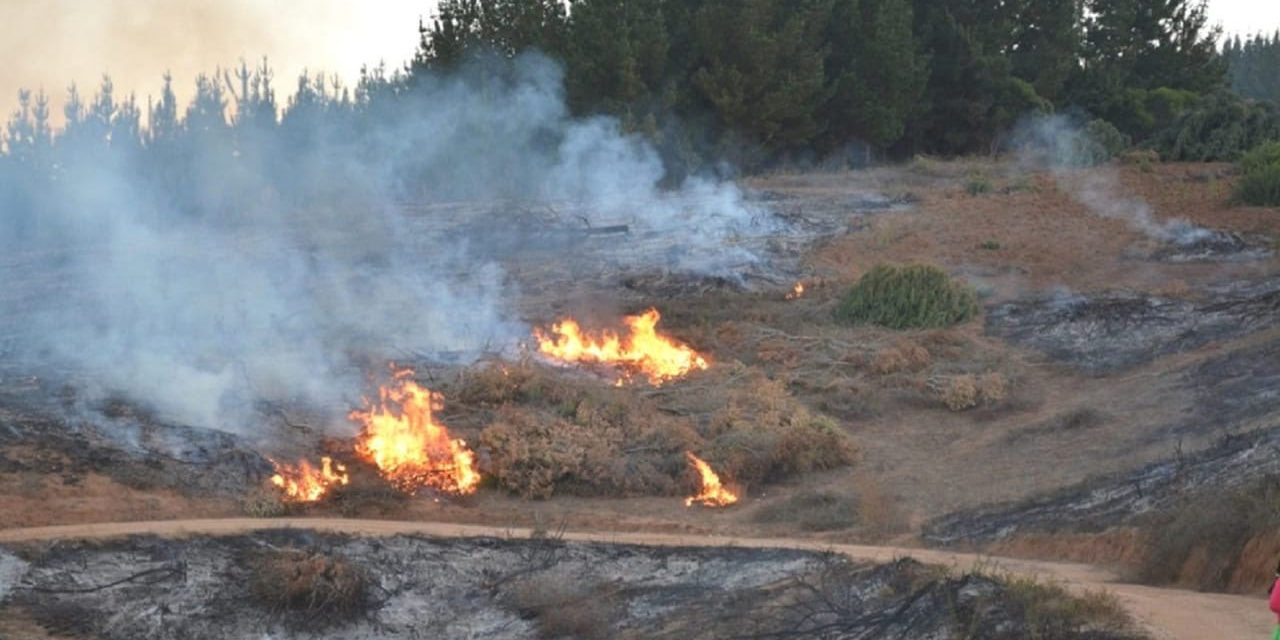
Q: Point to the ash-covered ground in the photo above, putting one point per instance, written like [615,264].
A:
[293,584]
[1119,330]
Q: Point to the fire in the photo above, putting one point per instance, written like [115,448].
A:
[305,483]
[796,291]
[656,357]
[713,493]
[411,450]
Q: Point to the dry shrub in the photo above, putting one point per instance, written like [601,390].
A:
[966,391]
[577,435]
[262,502]
[1049,610]
[566,608]
[993,387]
[366,497]
[905,355]
[496,384]
[762,434]
[960,392]
[317,586]
[888,360]
[535,455]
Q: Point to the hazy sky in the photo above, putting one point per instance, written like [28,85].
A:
[51,43]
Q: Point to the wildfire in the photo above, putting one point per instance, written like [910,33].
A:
[796,291]
[656,357]
[305,483]
[713,494]
[411,450]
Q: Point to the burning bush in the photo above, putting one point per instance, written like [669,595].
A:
[314,587]
[640,351]
[909,297]
[409,446]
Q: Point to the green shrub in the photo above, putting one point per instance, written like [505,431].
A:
[1261,157]
[1102,142]
[1220,127]
[1260,180]
[908,297]
[977,184]
[1261,187]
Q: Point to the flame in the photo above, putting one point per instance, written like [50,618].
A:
[305,483]
[713,493]
[796,291]
[411,450]
[658,358]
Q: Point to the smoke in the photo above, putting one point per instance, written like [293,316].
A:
[218,267]
[1070,152]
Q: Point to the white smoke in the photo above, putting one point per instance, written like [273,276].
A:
[1070,153]
[201,279]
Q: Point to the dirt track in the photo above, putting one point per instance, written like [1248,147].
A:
[1167,613]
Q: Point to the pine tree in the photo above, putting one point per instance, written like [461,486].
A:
[875,70]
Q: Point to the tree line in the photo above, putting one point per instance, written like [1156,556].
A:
[754,82]
[761,81]
[1254,66]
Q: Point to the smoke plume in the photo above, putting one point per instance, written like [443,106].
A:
[211,267]
[1070,152]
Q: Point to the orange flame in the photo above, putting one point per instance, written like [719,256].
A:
[411,450]
[642,351]
[305,483]
[796,291]
[713,493]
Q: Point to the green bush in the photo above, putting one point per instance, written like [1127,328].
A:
[908,297]
[1260,180]
[1102,142]
[977,184]
[1220,127]
[1261,157]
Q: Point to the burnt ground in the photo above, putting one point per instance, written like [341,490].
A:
[411,587]
[1114,331]
[69,439]
[1236,395]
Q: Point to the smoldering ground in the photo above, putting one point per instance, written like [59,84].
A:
[197,266]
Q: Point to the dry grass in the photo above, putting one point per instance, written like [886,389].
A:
[565,608]
[1206,542]
[811,511]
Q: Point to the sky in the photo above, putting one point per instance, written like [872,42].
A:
[50,44]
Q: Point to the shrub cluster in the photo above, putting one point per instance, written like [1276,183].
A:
[1260,176]
[545,432]
[908,297]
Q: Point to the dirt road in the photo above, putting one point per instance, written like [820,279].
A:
[1167,613]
